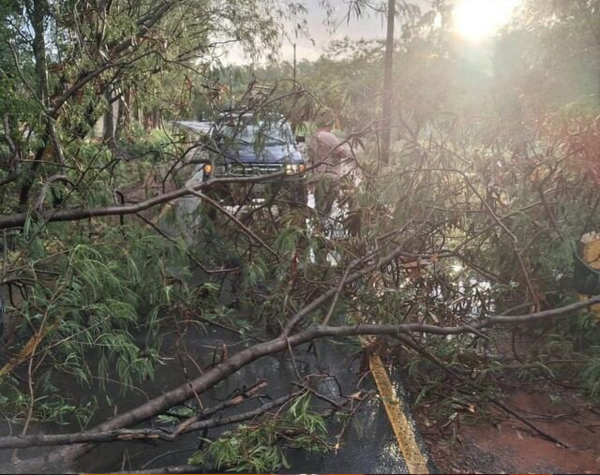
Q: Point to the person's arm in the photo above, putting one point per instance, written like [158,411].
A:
[345,151]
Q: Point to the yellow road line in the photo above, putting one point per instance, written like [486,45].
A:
[403,429]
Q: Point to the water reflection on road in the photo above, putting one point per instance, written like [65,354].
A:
[368,445]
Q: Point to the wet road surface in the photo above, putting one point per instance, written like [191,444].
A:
[367,446]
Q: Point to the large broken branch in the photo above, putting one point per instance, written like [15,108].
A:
[125,435]
[225,369]
[19,219]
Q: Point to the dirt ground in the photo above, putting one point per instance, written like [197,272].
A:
[509,446]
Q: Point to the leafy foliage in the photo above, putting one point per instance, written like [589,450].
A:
[260,448]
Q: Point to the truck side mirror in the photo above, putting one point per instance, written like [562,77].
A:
[300,138]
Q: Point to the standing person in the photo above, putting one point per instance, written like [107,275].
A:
[327,154]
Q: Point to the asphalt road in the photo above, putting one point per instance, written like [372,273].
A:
[367,446]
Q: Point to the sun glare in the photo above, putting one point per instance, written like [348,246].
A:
[477,20]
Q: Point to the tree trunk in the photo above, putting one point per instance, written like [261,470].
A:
[155,117]
[37,16]
[387,83]
[39,49]
[109,119]
[124,113]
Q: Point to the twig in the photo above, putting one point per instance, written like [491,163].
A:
[39,203]
[228,328]
[187,253]
[410,342]
[339,289]
[245,229]
[318,395]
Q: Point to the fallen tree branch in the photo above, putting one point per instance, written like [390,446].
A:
[325,297]
[125,435]
[249,393]
[225,369]
[419,349]
[245,229]
[19,219]
[473,328]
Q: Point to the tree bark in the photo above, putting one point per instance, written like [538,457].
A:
[124,435]
[19,219]
[387,84]
[37,17]
[109,118]
[38,22]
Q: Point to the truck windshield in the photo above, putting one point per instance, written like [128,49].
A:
[259,134]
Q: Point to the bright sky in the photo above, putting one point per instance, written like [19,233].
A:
[370,26]
[474,20]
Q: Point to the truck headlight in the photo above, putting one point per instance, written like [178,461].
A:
[292,168]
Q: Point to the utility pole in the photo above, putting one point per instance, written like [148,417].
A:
[387,84]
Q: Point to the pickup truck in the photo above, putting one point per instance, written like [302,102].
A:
[243,145]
